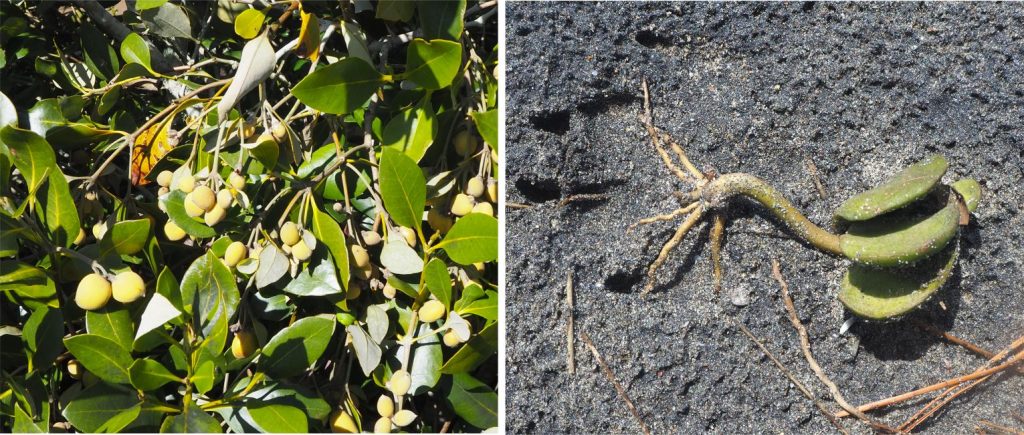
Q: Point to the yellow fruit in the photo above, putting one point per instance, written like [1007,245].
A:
[186,184]
[439,220]
[81,236]
[400,382]
[409,234]
[451,339]
[236,252]
[475,187]
[248,129]
[431,311]
[389,291]
[191,208]
[383,425]
[99,229]
[75,369]
[93,292]
[128,287]
[300,251]
[173,232]
[279,133]
[360,258]
[204,197]
[243,345]
[462,205]
[492,191]
[236,180]
[91,196]
[371,238]
[224,199]
[290,233]
[465,143]
[164,179]
[385,406]
[484,208]
[341,422]
[215,215]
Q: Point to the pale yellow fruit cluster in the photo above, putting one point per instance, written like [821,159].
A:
[291,238]
[477,196]
[94,291]
[200,200]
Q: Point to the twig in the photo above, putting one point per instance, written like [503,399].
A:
[805,344]
[583,197]
[792,378]
[611,377]
[518,205]
[1000,429]
[569,335]
[952,338]
[813,170]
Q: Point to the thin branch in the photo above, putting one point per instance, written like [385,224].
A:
[569,335]
[583,197]
[611,377]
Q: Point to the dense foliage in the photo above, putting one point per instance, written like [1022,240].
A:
[244,216]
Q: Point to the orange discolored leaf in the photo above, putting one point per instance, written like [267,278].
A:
[309,37]
[150,146]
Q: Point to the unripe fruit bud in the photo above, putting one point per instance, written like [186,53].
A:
[243,345]
[383,425]
[204,197]
[186,184]
[465,143]
[410,235]
[162,191]
[360,258]
[224,199]
[290,233]
[438,220]
[371,238]
[93,292]
[235,253]
[99,229]
[75,369]
[341,422]
[300,251]
[173,232]
[214,216]
[338,207]
[462,205]
[191,209]
[492,191]
[400,382]
[389,291]
[385,406]
[236,180]
[484,208]
[431,311]
[164,179]
[81,236]
[90,196]
[451,339]
[475,187]
[128,287]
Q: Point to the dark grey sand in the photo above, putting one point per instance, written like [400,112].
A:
[860,90]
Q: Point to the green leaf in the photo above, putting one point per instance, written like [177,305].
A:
[442,19]
[377,322]
[902,189]
[425,365]
[880,294]
[277,418]
[135,50]
[204,376]
[473,238]
[367,352]
[433,64]
[255,65]
[487,125]
[249,23]
[101,356]
[327,231]
[474,401]
[42,334]
[273,264]
[148,375]
[129,237]
[193,420]
[113,322]
[477,350]
[141,5]
[216,294]
[8,113]
[399,258]
[31,154]
[174,203]
[403,188]
[167,285]
[395,10]
[412,131]
[158,312]
[169,21]
[296,347]
[96,405]
[315,281]
[339,88]
[438,281]
[486,307]
[896,240]
[60,215]
[24,423]
[122,419]
[316,408]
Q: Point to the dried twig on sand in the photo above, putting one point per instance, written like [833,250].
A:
[611,377]
[569,334]
[583,197]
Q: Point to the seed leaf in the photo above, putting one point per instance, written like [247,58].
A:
[880,294]
[889,241]
[902,189]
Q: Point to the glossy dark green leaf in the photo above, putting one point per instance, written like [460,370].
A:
[167,285]
[473,238]
[315,407]
[339,88]
[96,405]
[158,312]
[42,333]
[399,258]
[395,10]
[101,356]
[403,188]
[486,307]
[442,19]
[477,350]
[273,264]
[216,294]
[328,232]
[192,420]
[474,401]
[297,347]
[169,20]
[113,322]
[425,365]
[174,203]
[122,419]
[24,423]
[278,418]
[438,281]
[135,50]
[894,241]
[487,125]
[30,153]
[147,374]
[130,236]
[905,187]
[970,191]
[318,280]
[60,215]
[204,376]
[880,294]
[412,131]
[367,352]
[433,64]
